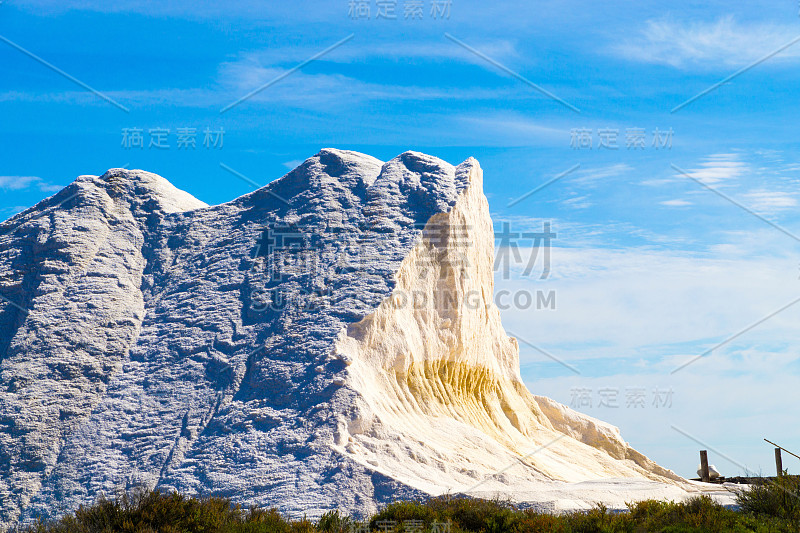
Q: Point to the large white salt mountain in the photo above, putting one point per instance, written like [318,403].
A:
[328,341]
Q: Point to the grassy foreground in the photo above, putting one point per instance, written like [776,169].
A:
[771,506]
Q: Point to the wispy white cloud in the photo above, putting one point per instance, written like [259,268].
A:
[517,130]
[256,68]
[203,9]
[676,203]
[578,202]
[709,44]
[629,300]
[293,164]
[8,212]
[253,69]
[586,234]
[764,200]
[718,168]
[396,51]
[657,182]
[626,317]
[591,177]
[21,183]
[313,91]
[706,400]
[765,187]
[17,183]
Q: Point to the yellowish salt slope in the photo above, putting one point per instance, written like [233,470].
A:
[442,405]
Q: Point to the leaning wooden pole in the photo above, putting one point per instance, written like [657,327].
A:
[704,475]
[782,448]
[778,461]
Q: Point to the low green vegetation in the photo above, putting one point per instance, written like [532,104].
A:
[777,497]
[768,506]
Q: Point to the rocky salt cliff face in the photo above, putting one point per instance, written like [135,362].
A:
[327,341]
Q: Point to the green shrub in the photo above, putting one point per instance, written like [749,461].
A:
[534,522]
[696,514]
[767,507]
[143,511]
[778,498]
[401,514]
[333,522]
[475,514]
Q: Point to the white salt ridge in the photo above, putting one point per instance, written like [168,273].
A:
[137,351]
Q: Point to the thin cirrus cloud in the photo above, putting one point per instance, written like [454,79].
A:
[578,202]
[676,203]
[718,168]
[709,44]
[760,189]
[514,130]
[326,90]
[203,9]
[313,91]
[627,317]
[254,69]
[8,212]
[639,300]
[600,176]
[765,200]
[435,49]
[22,183]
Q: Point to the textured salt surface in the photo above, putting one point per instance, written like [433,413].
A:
[147,338]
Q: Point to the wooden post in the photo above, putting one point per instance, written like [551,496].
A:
[704,475]
[778,461]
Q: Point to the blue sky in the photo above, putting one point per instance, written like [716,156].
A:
[650,267]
